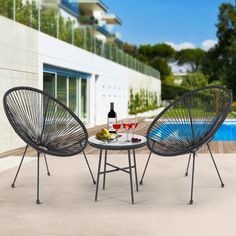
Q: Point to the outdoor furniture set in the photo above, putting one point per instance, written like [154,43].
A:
[51,128]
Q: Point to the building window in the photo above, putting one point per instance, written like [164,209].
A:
[49,83]
[62,89]
[84,102]
[73,95]
[71,90]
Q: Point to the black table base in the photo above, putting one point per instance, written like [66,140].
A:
[127,170]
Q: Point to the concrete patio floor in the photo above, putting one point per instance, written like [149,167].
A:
[161,205]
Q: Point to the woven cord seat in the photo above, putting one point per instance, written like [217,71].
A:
[45,124]
[188,123]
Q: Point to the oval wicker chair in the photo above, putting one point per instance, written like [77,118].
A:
[188,123]
[45,124]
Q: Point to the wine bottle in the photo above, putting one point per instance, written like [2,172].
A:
[111,119]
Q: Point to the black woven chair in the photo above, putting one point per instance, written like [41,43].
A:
[45,124]
[188,123]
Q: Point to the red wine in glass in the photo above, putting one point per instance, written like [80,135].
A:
[116,126]
[127,126]
[134,125]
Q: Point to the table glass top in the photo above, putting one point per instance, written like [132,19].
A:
[120,144]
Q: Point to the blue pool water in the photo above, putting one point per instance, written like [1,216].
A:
[227,131]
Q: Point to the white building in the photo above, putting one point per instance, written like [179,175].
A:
[90,14]
[179,72]
[98,11]
[84,81]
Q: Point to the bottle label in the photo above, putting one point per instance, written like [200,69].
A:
[110,123]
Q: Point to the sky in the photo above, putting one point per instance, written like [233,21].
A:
[181,23]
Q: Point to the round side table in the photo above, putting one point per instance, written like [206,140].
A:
[117,145]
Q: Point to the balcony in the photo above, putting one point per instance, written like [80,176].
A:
[72,6]
[102,30]
[118,41]
[111,19]
[87,20]
[90,37]
[89,6]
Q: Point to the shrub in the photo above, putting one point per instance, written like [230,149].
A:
[233,107]
[171,92]
[194,81]
[142,101]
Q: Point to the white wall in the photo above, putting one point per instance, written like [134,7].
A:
[23,53]
[18,66]
[139,81]
[112,84]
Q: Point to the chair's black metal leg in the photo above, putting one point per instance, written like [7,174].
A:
[90,171]
[105,165]
[46,164]
[135,170]
[13,184]
[222,184]
[37,200]
[186,173]
[191,198]
[98,174]
[141,181]
[131,181]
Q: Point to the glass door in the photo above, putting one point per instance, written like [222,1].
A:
[84,100]
[62,88]
[71,91]
[73,95]
[49,81]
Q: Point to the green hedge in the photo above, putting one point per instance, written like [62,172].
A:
[233,107]
[171,92]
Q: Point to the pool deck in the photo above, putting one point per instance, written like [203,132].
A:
[161,205]
[216,146]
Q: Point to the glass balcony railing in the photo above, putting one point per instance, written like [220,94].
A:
[47,20]
[71,5]
[102,30]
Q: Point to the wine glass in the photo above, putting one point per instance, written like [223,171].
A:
[116,126]
[127,126]
[134,124]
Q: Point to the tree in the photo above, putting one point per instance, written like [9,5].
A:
[172,91]
[146,50]
[163,51]
[143,58]
[226,24]
[130,49]
[220,62]
[162,66]
[170,80]
[213,66]
[157,56]
[194,81]
[191,58]
[227,44]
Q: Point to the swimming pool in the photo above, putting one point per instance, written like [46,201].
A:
[227,131]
